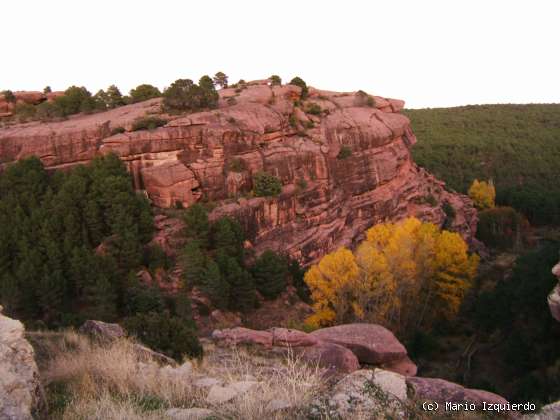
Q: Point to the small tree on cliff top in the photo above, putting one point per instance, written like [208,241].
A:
[221,79]
[298,81]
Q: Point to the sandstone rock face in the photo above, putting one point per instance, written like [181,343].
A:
[443,391]
[325,202]
[372,344]
[19,383]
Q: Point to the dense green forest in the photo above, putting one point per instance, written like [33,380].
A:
[71,245]
[518,146]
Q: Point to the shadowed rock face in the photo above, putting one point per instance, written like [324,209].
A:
[326,202]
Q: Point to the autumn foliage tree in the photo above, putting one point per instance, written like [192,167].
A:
[483,194]
[405,275]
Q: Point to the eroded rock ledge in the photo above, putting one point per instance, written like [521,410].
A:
[326,202]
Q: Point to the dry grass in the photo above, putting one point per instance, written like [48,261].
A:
[114,382]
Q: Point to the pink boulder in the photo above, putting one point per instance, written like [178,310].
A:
[371,343]
[285,337]
[443,391]
[405,367]
[240,335]
[331,356]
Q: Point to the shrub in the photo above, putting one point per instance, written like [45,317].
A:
[292,120]
[364,99]
[147,123]
[450,214]
[269,272]
[503,228]
[75,99]
[117,130]
[9,96]
[143,93]
[184,95]
[431,200]
[231,100]
[297,81]
[25,111]
[46,111]
[197,225]
[275,80]
[266,185]
[237,165]
[314,109]
[47,89]
[483,194]
[344,153]
[167,334]
[301,183]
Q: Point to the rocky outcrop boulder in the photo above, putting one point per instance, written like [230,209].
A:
[241,335]
[372,344]
[442,391]
[106,332]
[341,348]
[19,383]
[330,356]
[326,202]
[102,331]
[554,296]
[370,391]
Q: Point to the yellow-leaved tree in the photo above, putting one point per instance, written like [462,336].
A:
[404,275]
[483,194]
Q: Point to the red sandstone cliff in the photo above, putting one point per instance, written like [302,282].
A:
[325,203]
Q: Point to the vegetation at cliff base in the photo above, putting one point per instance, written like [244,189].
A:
[517,146]
[405,276]
[72,244]
[214,259]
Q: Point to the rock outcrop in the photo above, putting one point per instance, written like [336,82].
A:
[372,344]
[327,200]
[554,296]
[19,376]
[442,391]
[340,348]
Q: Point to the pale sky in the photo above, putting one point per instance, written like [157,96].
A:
[429,53]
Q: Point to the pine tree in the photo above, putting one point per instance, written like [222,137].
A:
[215,285]
[193,262]
[269,272]
[228,237]
[242,286]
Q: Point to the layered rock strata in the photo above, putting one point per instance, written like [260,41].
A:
[328,198]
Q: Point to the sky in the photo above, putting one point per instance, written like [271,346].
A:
[431,53]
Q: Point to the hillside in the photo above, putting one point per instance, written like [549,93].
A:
[518,146]
[332,164]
